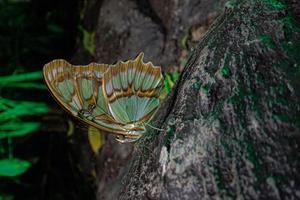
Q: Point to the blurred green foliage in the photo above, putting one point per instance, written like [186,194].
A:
[32,33]
[23,80]
[13,167]
[12,125]
[88,40]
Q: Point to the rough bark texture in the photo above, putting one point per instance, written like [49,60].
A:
[127,27]
[231,125]
[123,29]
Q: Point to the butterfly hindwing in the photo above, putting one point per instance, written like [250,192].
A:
[132,89]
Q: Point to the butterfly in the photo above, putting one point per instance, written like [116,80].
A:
[120,99]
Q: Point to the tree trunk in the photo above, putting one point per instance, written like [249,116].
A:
[231,123]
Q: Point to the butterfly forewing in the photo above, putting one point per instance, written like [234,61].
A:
[79,90]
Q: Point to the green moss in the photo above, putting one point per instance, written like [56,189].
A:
[252,154]
[290,64]
[225,72]
[279,179]
[282,117]
[239,102]
[275,4]
[196,85]
[268,41]
[291,45]
[219,178]
[205,89]
[278,89]
[286,66]
[292,50]
[225,129]
[289,23]
[296,122]
[237,98]
[169,137]
[288,118]
[231,4]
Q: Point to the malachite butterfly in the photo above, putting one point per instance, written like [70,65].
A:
[119,99]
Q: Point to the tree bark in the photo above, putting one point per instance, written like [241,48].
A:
[123,29]
[231,124]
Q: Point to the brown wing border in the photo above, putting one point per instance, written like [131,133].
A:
[55,63]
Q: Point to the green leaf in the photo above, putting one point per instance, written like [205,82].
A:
[167,86]
[95,139]
[13,167]
[21,77]
[6,197]
[170,79]
[55,28]
[15,129]
[89,41]
[16,109]
[175,76]
[27,85]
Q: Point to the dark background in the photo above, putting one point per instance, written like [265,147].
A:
[33,33]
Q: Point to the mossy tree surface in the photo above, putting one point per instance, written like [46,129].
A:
[231,124]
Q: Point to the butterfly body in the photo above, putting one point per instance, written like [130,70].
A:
[118,99]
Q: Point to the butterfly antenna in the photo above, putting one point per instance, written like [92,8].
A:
[158,129]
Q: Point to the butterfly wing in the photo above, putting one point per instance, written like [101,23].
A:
[78,89]
[132,90]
